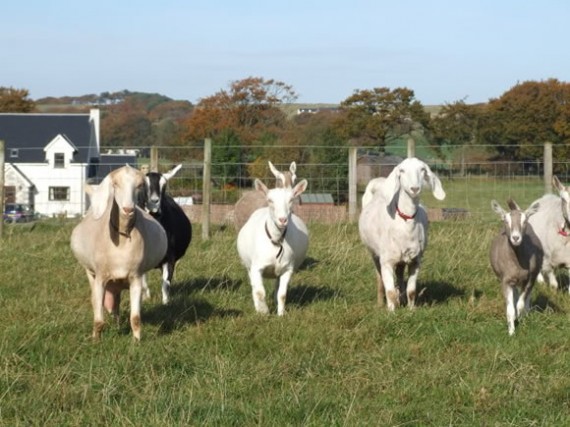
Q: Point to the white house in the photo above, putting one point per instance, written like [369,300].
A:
[49,158]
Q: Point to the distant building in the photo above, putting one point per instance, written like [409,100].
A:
[49,158]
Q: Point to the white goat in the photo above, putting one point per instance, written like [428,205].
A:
[117,242]
[253,200]
[516,257]
[273,243]
[552,226]
[394,227]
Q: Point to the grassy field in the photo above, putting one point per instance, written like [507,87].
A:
[207,359]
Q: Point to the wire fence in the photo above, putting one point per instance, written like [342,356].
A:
[470,182]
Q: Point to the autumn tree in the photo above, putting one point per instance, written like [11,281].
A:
[245,115]
[525,117]
[15,100]
[126,125]
[455,124]
[249,107]
[141,119]
[372,116]
[324,152]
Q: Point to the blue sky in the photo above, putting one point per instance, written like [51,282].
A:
[444,50]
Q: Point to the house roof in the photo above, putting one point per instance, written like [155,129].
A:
[110,162]
[30,133]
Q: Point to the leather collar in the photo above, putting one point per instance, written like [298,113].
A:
[279,241]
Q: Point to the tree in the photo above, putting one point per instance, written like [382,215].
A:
[126,125]
[525,117]
[455,124]
[15,101]
[371,116]
[249,108]
[247,115]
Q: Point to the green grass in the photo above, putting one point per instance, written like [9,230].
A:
[335,359]
[474,193]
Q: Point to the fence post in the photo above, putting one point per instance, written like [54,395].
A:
[154,159]
[411,147]
[352,198]
[2,168]
[206,189]
[547,167]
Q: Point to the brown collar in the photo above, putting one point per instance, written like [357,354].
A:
[115,227]
[279,242]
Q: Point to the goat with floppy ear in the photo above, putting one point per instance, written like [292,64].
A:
[393,226]
[552,226]
[117,242]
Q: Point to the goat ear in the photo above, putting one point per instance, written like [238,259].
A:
[293,168]
[171,172]
[532,209]
[514,206]
[392,185]
[300,188]
[557,184]
[497,208]
[260,186]
[100,196]
[435,184]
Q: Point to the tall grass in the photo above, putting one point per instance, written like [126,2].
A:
[335,359]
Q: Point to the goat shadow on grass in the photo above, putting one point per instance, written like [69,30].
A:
[542,303]
[437,292]
[205,284]
[303,295]
[185,307]
[309,263]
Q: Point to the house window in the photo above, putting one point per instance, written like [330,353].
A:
[59,193]
[14,152]
[59,160]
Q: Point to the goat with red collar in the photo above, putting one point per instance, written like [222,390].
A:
[552,226]
[393,226]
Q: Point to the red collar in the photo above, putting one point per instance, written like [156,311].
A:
[404,216]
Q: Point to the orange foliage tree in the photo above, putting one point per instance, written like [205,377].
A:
[525,117]
[242,121]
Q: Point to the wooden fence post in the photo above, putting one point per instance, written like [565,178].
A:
[154,159]
[547,167]
[411,147]
[352,180]
[2,181]
[206,189]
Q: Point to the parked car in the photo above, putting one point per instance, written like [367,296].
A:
[17,212]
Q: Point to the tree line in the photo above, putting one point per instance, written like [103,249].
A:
[247,121]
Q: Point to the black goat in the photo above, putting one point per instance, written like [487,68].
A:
[172,218]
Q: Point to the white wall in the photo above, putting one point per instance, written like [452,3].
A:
[44,176]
